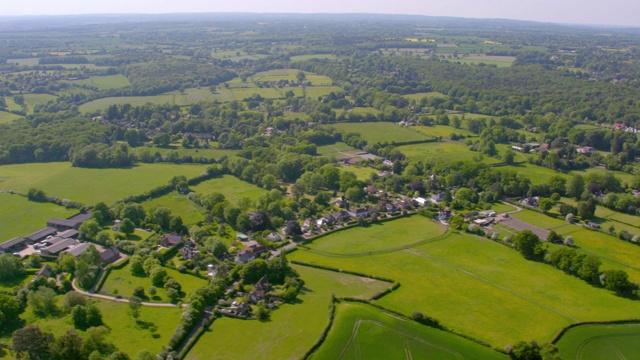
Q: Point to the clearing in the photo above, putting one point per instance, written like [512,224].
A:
[231,187]
[382,132]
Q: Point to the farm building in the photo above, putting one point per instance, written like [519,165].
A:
[57,245]
[69,234]
[78,250]
[13,245]
[73,222]
[45,271]
[109,255]
[41,234]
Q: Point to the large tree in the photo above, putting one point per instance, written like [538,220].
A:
[31,343]
[528,244]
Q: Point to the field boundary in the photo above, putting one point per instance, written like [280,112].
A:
[564,330]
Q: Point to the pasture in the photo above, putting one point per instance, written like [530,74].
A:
[90,186]
[441,130]
[188,97]
[499,61]
[600,342]
[7,117]
[291,75]
[382,132]
[314,56]
[103,82]
[122,282]
[33,100]
[180,205]
[338,149]
[537,174]
[364,332]
[472,285]
[292,329]
[212,152]
[22,217]
[231,187]
[443,151]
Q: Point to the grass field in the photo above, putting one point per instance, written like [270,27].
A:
[601,342]
[315,56]
[18,283]
[7,117]
[364,332]
[231,187]
[21,217]
[420,96]
[292,329]
[474,286]
[180,205]
[33,100]
[103,82]
[441,130]
[338,149]
[442,151]
[499,61]
[116,317]
[122,282]
[208,153]
[291,75]
[90,186]
[363,173]
[381,132]
[190,96]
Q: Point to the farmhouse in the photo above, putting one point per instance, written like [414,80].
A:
[45,271]
[259,290]
[109,255]
[73,222]
[168,240]
[364,212]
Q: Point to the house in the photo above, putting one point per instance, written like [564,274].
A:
[341,203]
[386,207]
[487,213]
[116,225]
[437,198]
[586,150]
[419,201]
[255,247]
[79,249]
[545,147]
[45,271]
[470,215]
[371,190]
[364,212]
[387,163]
[342,216]
[242,237]
[13,245]
[593,225]
[69,234]
[402,204]
[73,222]
[169,240]
[244,256]
[532,201]
[517,148]
[483,222]
[109,255]
[274,237]
[260,290]
[57,245]
[327,220]
[445,214]
[242,309]
[41,235]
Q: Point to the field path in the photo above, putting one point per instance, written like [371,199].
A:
[418,252]
[111,298]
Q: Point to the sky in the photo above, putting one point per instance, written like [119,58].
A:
[594,12]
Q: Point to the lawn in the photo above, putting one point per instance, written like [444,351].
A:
[90,186]
[338,149]
[363,173]
[443,151]
[231,187]
[441,130]
[381,132]
[122,282]
[188,97]
[292,329]
[600,342]
[364,332]
[180,205]
[7,117]
[126,334]
[103,82]
[476,287]
[22,217]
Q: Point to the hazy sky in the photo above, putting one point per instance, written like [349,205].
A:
[608,12]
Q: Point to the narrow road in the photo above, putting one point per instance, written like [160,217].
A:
[111,298]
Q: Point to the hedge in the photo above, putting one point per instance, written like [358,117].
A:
[325,332]
[328,268]
[571,326]
[196,336]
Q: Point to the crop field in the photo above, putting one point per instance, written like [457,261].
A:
[600,342]
[315,56]
[496,286]
[381,132]
[231,187]
[292,329]
[122,282]
[103,82]
[153,330]
[420,96]
[7,117]
[443,151]
[180,205]
[190,96]
[22,217]
[364,332]
[79,184]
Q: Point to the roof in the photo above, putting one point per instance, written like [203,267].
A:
[72,222]
[56,248]
[68,233]
[41,234]
[244,256]
[45,271]
[13,242]
[172,238]
[109,254]
[78,249]
[242,236]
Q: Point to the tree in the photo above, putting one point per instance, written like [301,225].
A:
[162,140]
[525,351]
[146,355]
[10,309]
[73,299]
[67,262]
[135,303]
[528,244]
[31,343]
[545,204]
[590,269]
[293,228]
[301,76]
[136,263]
[79,317]
[36,195]
[586,209]
[177,225]
[575,186]
[10,267]
[139,292]
[158,276]
[118,355]
[127,227]
[102,214]
[253,271]
[618,281]
[161,216]
[89,229]
[509,157]
[68,346]
[554,237]
[43,301]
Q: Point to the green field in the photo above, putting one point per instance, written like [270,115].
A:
[33,100]
[180,205]
[499,61]
[315,56]
[441,130]
[122,282]
[600,342]
[208,153]
[472,285]
[442,151]
[338,149]
[138,336]
[231,187]
[21,217]
[7,117]
[381,132]
[292,329]
[420,96]
[103,82]
[291,75]
[90,186]
[364,332]
[190,96]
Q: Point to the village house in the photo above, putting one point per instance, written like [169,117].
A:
[242,237]
[169,240]
[363,212]
[532,201]
[469,216]
[444,214]
[255,247]
[244,256]
[274,237]
[341,203]
[327,220]
[419,201]
[109,255]
[342,216]
[586,150]
[260,290]
[437,198]
[46,271]
[116,225]
[386,207]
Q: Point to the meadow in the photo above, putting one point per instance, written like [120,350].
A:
[314,56]
[122,282]
[595,342]
[496,286]
[193,152]
[22,217]
[292,329]
[443,151]
[180,205]
[188,97]
[338,150]
[103,82]
[62,180]
[291,75]
[441,130]
[364,332]
[499,61]
[381,132]
[7,117]
[231,187]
